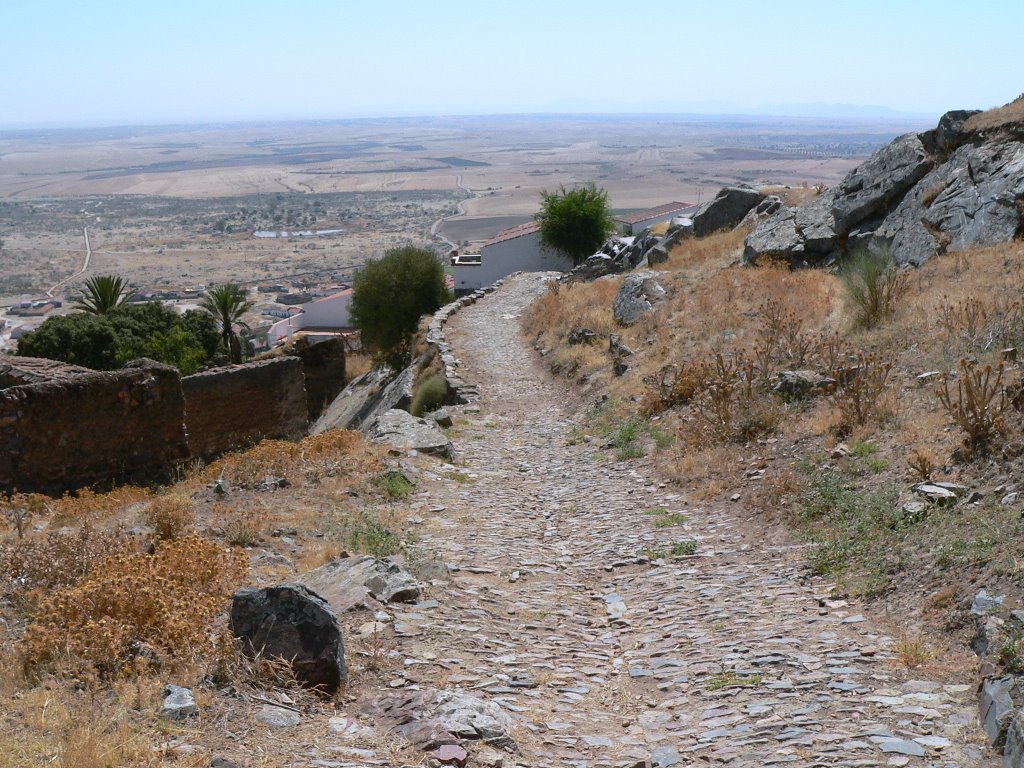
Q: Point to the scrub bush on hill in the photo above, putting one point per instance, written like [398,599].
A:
[389,295]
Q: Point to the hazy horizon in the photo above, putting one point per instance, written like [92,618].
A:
[111,64]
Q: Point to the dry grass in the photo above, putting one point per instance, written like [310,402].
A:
[912,650]
[313,458]
[356,364]
[994,118]
[169,516]
[96,620]
[68,728]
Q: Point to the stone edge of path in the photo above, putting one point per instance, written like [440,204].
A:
[463,392]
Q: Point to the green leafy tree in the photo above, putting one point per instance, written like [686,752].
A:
[227,304]
[107,341]
[80,339]
[104,293]
[389,295]
[575,221]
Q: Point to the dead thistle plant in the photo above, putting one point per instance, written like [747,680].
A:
[978,403]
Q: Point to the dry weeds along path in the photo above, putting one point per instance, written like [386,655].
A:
[602,659]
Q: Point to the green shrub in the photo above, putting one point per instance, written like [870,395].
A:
[389,295]
[874,284]
[430,395]
[393,484]
[575,221]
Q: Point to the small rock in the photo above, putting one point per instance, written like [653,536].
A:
[663,757]
[179,703]
[902,747]
[450,754]
[278,717]
[935,493]
[985,603]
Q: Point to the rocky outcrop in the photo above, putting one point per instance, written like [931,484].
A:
[291,622]
[346,583]
[366,398]
[639,293]
[432,718]
[948,189]
[404,432]
[355,403]
[725,210]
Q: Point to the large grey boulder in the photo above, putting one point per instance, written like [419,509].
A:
[1013,751]
[291,622]
[995,707]
[351,407]
[879,181]
[816,227]
[362,402]
[404,432]
[775,238]
[949,133]
[639,293]
[346,582]
[725,210]
[680,228]
[972,200]
[947,189]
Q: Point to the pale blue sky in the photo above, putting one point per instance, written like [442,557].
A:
[138,61]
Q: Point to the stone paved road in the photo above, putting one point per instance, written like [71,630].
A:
[729,656]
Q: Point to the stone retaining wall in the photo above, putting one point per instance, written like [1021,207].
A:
[460,391]
[90,427]
[240,405]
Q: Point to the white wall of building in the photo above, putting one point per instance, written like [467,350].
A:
[332,312]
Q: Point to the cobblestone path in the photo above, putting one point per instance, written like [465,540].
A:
[604,658]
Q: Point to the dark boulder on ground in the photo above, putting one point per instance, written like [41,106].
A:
[291,622]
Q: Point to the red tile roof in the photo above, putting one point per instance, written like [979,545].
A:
[523,229]
[653,213]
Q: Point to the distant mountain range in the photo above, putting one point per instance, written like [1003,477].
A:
[719,107]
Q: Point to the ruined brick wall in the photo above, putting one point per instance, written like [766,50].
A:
[90,427]
[323,365]
[240,405]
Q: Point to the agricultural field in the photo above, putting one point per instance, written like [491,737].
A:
[175,206]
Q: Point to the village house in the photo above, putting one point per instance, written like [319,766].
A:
[324,317]
[518,249]
[635,223]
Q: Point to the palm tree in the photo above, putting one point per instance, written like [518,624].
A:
[227,303]
[104,293]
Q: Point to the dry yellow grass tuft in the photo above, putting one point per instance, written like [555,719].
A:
[993,118]
[169,516]
[356,364]
[313,458]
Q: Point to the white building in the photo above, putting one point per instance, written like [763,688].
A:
[514,250]
[323,317]
[635,223]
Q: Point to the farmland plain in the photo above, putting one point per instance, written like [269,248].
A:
[177,205]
